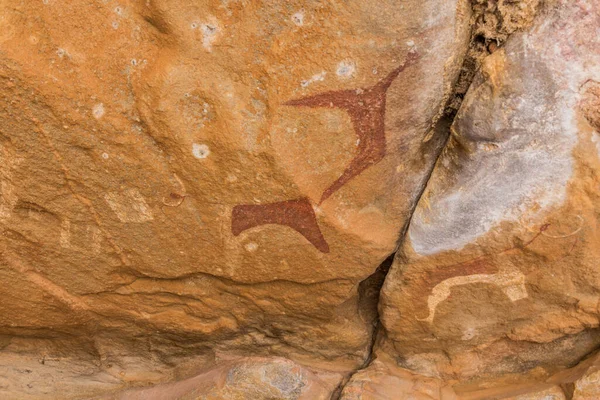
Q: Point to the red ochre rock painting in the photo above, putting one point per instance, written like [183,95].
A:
[297,214]
[366,108]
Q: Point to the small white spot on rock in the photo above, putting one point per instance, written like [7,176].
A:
[98,110]
[209,33]
[298,18]
[200,151]
[346,69]
[231,178]
[251,247]
[209,29]
[194,25]
[468,334]
[61,52]
[315,78]
[115,24]
[118,10]
[410,43]
[105,156]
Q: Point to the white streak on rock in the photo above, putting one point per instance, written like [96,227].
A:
[511,282]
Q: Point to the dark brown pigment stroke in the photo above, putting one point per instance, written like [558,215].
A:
[366,108]
[297,214]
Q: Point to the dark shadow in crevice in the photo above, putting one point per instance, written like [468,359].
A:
[368,301]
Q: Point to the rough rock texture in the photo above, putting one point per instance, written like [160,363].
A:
[492,22]
[197,199]
[383,380]
[583,381]
[499,271]
[187,179]
[248,379]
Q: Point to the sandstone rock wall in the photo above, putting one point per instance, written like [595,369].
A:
[499,270]
[201,196]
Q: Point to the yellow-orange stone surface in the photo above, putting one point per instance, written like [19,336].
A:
[198,195]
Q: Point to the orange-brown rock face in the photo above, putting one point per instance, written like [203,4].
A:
[191,179]
[199,199]
[499,271]
[246,379]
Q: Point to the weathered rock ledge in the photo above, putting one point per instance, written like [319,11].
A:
[266,199]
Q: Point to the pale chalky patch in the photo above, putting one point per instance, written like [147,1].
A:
[200,151]
[298,18]
[80,236]
[130,206]
[8,200]
[98,111]
[209,30]
[346,69]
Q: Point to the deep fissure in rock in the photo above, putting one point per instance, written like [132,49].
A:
[492,22]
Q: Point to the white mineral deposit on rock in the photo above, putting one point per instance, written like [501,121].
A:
[353,200]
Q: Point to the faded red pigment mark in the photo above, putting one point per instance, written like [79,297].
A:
[425,282]
[366,108]
[297,214]
[475,267]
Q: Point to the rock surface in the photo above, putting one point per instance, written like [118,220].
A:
[197,199]
[499,271]
[248,379]
[383,380]
[212,177]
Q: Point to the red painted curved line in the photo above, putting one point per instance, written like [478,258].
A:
[297,214]
[366,108]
